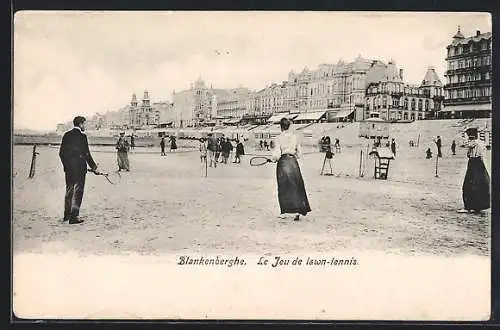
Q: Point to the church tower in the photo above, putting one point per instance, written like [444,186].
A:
[146,110]
[133,115]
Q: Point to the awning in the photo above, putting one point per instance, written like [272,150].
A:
[343,113]
[316,115]
[255,116]
[232,121]
[468,107]
[277,118]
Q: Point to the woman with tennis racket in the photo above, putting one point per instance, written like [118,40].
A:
[291,189]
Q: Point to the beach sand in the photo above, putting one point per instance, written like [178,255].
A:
[418,258]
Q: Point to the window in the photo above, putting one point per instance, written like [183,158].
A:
[419,105]
[406,104]
[413,104]
[426,105]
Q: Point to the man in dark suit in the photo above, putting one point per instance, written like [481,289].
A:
[75,155]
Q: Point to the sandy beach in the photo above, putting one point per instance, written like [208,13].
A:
[414,249]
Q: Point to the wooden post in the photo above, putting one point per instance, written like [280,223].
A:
[323,167]
[366,158]
[33,163]
[437,159]
[418,140]
[360,161]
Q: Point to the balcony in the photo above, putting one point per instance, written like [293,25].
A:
[479,68]
[468,84]
[468,54]
[468,100]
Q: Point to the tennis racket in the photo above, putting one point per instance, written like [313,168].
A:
[112,177]
[259,161]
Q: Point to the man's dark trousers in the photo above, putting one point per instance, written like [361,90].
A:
[75,185]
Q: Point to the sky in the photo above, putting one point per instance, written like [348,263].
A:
[80,63]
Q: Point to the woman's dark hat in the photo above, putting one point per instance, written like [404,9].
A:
[471,131]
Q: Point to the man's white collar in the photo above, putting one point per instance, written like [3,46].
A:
[78,128]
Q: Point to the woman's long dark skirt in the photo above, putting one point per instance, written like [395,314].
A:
[476,187]
[291,190]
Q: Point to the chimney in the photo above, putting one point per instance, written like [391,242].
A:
[401,74]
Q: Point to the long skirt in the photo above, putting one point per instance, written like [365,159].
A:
[173,146]
[476,187]
[123,163]
[291,190]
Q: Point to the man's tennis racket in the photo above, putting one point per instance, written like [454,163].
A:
[259,161]
[112,177]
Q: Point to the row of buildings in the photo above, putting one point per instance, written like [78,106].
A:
[353,90]
[334,92]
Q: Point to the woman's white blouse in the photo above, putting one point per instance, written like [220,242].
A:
[286,143]
[475,149]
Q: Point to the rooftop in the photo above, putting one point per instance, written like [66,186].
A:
[459,39]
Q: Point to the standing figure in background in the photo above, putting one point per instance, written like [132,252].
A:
[132,141]
[476,186]
[212,147]
[393,147]
[453,148]
[439,145]
[218,149]
[271,144]
[122,148]
[428,153]
[266,145]
[162,146]
[227,147]
[203,150]
[75,155]
[240,151]
[173,143]
[261,144]
[326,143]
[291,190]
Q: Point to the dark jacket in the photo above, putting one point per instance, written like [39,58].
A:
[239,149]
[122,145]
[74,152]
[227,147]
[212,143]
